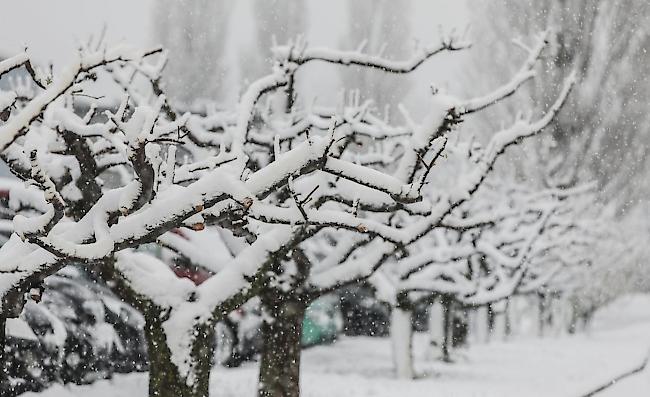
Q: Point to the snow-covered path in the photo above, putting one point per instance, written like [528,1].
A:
[636,384]
[568,366]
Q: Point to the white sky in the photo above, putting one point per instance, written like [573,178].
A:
[52,29]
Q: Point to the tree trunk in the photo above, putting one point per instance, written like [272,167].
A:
[165,378]
[499,321]
[401,334]
[508,319]
[561,315]
[482,324]
[542,313]
[436,328]
[449,330]
[279,374]
[4,376]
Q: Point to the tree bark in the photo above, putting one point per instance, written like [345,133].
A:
[543,316]
[499,321]
[482,324]
[4,376]
[436,327]
[401,334]
[279,374]
[165,379]
[449,330]
[508,318]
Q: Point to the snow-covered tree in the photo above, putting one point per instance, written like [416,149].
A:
[102,187]
[616,266]
[390,227]
[605,133]
[481,255]
[561,256]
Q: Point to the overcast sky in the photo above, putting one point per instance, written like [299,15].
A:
[52,29]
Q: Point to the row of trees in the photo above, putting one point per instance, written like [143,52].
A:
[511,243]
[603,134]
[204,32]
[308,199]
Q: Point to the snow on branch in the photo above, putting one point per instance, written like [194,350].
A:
[62,83]
[301,54]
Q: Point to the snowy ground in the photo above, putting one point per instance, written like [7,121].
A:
[566,366]
[637,385]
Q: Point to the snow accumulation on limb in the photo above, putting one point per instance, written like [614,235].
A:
[525,73]
[173,206]
[354,268]
[508,271]
[301,55]
[357,266]
[189,245]
[153,279]
[62,83]
[9,64]
[252,95]
[217,295]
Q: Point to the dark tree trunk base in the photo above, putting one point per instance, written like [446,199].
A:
[4,378]
[448,329]
[164,377]
[280,365]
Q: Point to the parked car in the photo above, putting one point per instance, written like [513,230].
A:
[81,332]
[322,322]
[363,314]
[238,338]
[24,357]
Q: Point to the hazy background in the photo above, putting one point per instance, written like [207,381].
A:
[57,28]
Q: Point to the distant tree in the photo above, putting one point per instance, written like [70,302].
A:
[616,268]
[604,134]
[384,28]
[279,20]
[488,250]
[195,33]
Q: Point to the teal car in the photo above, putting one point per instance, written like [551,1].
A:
[322,322]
